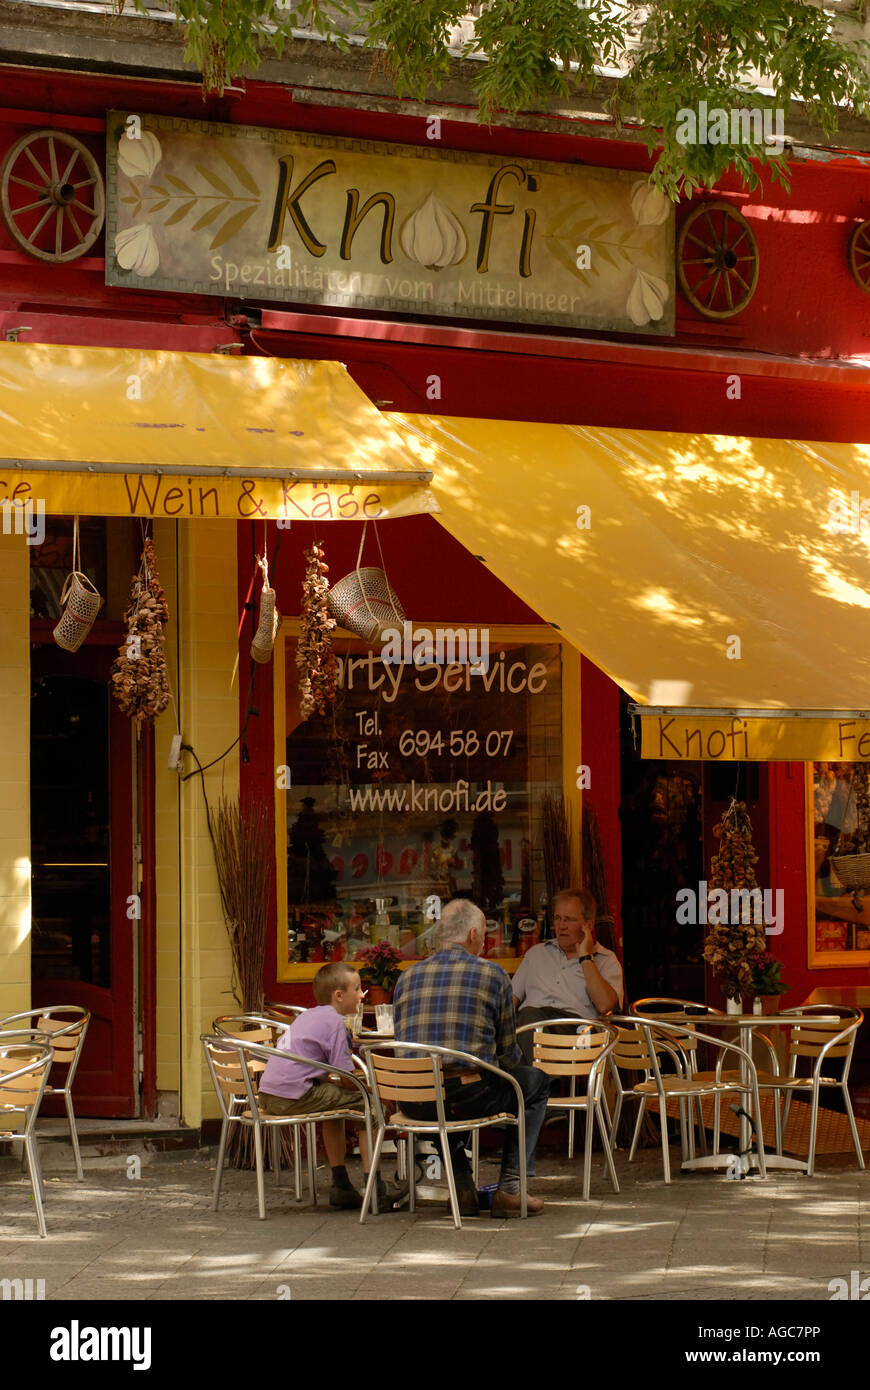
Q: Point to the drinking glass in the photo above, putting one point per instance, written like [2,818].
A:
[384,1018]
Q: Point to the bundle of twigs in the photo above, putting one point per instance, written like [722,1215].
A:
[595,879]
[242,852]
[556,839]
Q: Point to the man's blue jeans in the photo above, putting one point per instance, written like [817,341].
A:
[491,1096]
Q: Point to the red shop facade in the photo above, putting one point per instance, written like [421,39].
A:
[800,350]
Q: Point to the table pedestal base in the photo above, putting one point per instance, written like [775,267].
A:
[747,1162]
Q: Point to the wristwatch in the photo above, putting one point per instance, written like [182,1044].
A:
[582,959]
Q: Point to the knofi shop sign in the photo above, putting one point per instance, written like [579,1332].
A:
[737,739]
[241,211]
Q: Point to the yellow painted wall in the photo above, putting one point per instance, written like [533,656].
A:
[194,968]
[15,775]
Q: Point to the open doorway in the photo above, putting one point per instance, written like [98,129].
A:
[84,945]
[661,812]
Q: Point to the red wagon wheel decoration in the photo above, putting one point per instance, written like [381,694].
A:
[717,260]
[859,255]
[52,195]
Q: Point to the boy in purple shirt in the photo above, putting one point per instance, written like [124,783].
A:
[292,1088]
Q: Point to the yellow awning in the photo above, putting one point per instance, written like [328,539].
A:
[122,432]
[707,573]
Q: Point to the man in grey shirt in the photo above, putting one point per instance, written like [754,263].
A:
[570,975]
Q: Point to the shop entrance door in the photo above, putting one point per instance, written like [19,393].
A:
[82,847]
[661,812]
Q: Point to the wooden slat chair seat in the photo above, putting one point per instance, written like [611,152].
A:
[65,1026]
[24,1069]
[639,1046]
[403,1121]
[581,1054]
[818,1044]
[708,1085]
[418,1077]
[229,1062]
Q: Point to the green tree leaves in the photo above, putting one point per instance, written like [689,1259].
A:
[714,52]
[674,54]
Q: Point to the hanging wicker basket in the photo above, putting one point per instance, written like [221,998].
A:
[81,603]
[267,627]
[853,871]
[363,601]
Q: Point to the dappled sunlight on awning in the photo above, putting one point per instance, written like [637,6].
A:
[123,431]
[736,570]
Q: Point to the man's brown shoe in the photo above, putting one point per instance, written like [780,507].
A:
[505,1204]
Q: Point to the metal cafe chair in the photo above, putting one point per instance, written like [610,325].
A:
[632,1054]
[229,1062]
[65,1025]
[24,1068]
[638,1047]
[583,1053]
[818,1043]
[418,1076]
[251,1028]
[260,1028]
[658,1006]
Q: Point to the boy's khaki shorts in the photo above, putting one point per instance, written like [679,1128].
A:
[325,1095]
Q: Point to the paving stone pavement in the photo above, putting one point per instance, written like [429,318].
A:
[701,1238]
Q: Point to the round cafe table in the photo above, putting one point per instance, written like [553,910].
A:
[745,1023]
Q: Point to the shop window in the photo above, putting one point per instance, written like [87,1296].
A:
[839,856]
[108,550]
[420,784]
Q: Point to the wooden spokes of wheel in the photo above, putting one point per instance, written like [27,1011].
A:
[859,255]
[717,260]
[52,195]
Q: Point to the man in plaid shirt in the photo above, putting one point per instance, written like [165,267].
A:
[453,999]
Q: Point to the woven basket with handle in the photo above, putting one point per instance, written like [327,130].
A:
[853,870]
[80,603]
[363,601]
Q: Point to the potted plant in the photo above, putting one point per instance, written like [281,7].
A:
[767,984]
[379,971]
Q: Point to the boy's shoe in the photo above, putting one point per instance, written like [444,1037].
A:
[392,1196]
[508,1204]
[346,1197]
[469,1204]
